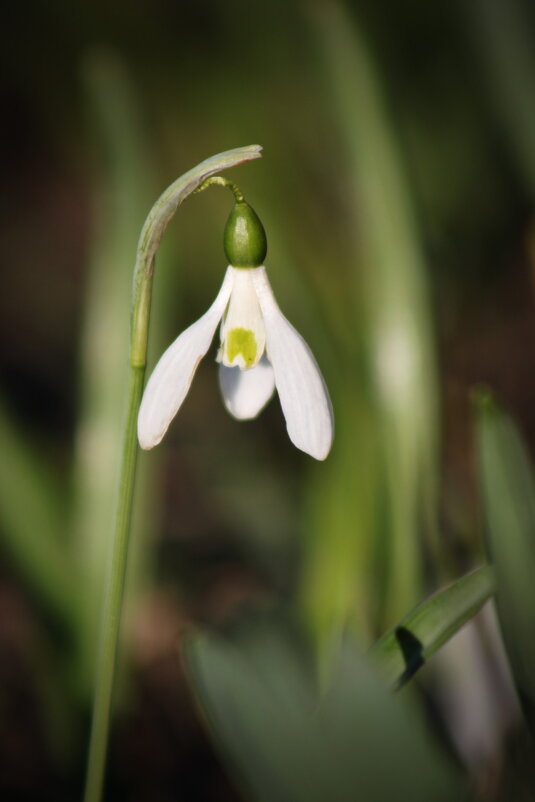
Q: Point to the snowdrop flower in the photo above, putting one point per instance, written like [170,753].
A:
[260,350]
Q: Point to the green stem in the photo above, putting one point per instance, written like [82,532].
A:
[149,241]
[114,595]
[220,181]
[122,195]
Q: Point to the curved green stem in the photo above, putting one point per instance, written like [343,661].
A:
[220,181]
[151,234]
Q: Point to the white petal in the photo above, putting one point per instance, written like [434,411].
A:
[243,336]
[246,392]
[303,395]
[172,376]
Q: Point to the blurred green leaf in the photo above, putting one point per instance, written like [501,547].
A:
[33,522]
[121,197]
[508,491]
[392,303]
[290,743]
[122,194]
[405,648]
[338,585]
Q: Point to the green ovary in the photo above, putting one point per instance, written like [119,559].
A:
[241,341]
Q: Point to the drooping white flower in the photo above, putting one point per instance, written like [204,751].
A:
[260,351]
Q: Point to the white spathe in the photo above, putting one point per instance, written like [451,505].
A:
[282,359]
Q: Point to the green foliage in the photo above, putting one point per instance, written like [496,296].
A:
[33,522]
[389,414]
[508,497]
[403,650]
[292,743]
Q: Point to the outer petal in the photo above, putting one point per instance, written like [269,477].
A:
[246,392]
[303,395]
[172,376]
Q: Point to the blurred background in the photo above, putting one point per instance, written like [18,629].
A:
[397,189]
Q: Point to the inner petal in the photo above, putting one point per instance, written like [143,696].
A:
[240,345]
[243,336]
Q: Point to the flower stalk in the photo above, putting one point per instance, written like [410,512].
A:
[149,241]
[221,181]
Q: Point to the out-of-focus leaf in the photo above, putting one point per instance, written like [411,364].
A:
[391,304]
[405,648]
[338,583]
[121,199]
[290,743]
[33,523]
[122,195]
[508,491]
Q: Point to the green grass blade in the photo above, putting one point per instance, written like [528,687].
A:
[289,743]
[406,647]
[508,491]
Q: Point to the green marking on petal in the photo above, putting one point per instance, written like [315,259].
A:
[241,341]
